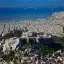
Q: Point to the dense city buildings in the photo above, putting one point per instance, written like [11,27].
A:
[33,42]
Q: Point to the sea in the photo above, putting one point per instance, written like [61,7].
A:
[27,13]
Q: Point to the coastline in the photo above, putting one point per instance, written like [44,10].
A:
[52,25]
[36,38]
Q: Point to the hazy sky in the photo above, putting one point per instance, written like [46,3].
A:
[30,3]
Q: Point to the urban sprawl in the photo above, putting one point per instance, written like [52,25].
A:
[33,42]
